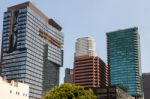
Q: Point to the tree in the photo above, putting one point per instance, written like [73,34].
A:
[69,91]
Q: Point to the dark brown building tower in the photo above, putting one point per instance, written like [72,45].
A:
[86,69]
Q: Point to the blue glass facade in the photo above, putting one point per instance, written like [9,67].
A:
[123,51]
[31,48]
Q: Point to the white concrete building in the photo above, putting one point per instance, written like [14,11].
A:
[85,46]
[10,89]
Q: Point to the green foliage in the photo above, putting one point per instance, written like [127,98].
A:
[69,91]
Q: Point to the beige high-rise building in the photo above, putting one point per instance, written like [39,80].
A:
[85,46]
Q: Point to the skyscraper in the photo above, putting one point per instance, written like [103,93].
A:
[123,50]
[69,76]
[85,47]
[32,48]
[89,69]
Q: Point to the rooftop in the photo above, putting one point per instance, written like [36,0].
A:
[37,11]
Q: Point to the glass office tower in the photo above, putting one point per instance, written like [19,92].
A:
[32,48]
[123,51]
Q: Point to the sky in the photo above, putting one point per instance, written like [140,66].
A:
[80,18]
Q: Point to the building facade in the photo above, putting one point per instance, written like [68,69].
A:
[123,50]
[111,92]
[32,48]
[89,69]
[85,46]
[146,85]
[11,89]
[86,71]
[69,76]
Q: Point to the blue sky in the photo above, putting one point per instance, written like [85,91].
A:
[94,18]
